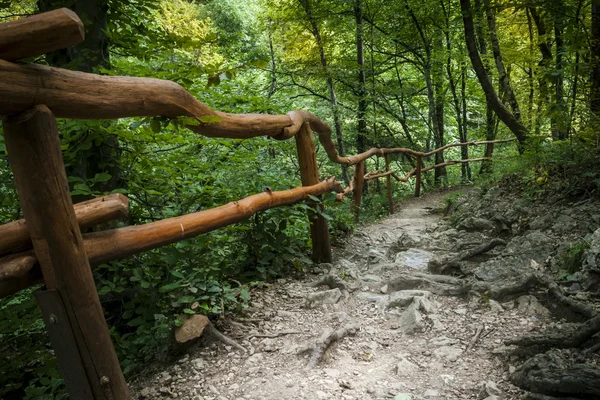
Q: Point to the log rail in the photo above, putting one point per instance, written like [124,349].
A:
[48,245]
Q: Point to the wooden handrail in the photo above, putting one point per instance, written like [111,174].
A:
[20,270]
[15,236]
[40,34]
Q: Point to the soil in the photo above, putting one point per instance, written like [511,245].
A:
[436,361]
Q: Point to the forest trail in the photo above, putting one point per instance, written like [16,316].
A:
[409,345]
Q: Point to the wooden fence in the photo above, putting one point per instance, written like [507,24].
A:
[48,246]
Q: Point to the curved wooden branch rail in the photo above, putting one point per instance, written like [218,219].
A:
[15,236]
[21,270]
[40,34]
[72,94]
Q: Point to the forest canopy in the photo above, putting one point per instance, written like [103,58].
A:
[403,73]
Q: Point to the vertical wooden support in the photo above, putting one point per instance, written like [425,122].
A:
[36,160]
[359,180]
[309,172]
[418,176]
[388,181]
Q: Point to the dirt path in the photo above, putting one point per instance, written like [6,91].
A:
[431,359]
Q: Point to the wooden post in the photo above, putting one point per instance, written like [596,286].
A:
[418,176]
[309,172]
[388,180]
[359,180]
[36,160]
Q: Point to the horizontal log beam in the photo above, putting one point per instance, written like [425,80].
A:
[21,270]
[40,34]
[73,94]
[376,176]
[80,95]
[14,236]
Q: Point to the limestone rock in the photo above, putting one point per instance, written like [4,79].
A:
[414,258]
[321,298]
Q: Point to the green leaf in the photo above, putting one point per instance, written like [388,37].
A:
[177,274]
[103,177]
[188,311]
[169,287]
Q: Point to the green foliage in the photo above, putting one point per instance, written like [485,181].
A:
[572,258]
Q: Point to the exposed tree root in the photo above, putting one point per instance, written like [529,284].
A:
[575,339]
[481,249]
[319,348]
[332,281]
[552,375]
[475,338]
[274,335]
[537,396]
[439,284]
[210,328]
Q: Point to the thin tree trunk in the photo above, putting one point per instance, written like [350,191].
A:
[559,116]
[595,52]
[273,85]
[545,46]
[503,78]
[516,127]
[361,140]
[532,120]
[337,122]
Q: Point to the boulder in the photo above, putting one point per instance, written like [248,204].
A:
[515,259]
[530,305]
[414,258]
[476,224]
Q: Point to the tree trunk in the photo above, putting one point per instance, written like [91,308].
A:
[330,87]
[559,115]
[504,79]
[516,127]
[361,140]
[595,52]
[545,46]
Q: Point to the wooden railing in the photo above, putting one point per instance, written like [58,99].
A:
[48,246]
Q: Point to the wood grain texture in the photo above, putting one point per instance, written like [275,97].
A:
[15,236]
[36,160]
[418,176]
[388,181]
[22,270]
[309,173]
[73,94]
[357,190]
[40,34]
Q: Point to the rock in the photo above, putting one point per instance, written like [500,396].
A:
[375,257]
[542,223]
[405,367]
[404,242]
[530,305]
[564,224]
[318,299]
[450,353]
[411,320]
[369,297]
[471,224]
[403,298]
[192,327]
[403,396]
[495,306]
[345,265]
[431,393]
[509,305]
[591,258]
[384,289]
[414,258]
[371,278]
[491,389]
[515,259]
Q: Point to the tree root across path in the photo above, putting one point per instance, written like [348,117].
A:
[553,374]
[439,284]
[319,347]
[572,339]
[454,264]
[333,282]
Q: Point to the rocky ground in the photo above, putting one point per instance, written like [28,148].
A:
[417,306]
